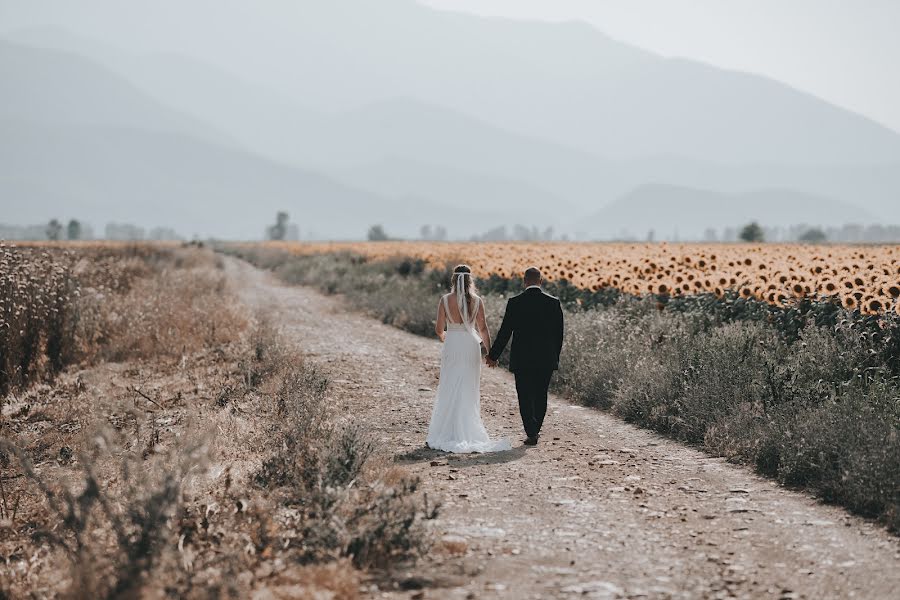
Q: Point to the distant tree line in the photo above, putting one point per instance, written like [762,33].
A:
[849,233]
[129,232]
[55,230]
[519,233]
[754,232]
[438,233]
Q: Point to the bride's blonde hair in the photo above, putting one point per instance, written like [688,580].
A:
[465,272]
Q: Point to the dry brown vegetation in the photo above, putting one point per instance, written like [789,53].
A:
[61,304]
[186,450]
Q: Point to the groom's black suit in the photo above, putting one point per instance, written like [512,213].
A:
[534,320]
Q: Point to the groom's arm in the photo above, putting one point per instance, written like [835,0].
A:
[560,328]
[503,335]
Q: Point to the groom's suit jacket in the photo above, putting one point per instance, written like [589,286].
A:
[534,320]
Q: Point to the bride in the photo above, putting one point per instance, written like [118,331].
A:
[456,420]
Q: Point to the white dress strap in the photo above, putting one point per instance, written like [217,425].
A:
[446,308]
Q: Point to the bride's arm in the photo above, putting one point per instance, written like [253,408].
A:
[481,321]
[440,322]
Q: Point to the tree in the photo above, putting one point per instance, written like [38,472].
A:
[425,232]
[814,235]
[54,230]
[279,229]
[73,230]
[752,232]
[377,234]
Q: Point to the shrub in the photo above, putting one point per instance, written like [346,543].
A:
[320,466]
[113,536]
[37,295]
[598,349]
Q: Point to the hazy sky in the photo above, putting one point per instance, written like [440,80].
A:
[845,51]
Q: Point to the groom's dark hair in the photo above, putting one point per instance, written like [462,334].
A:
[532,276]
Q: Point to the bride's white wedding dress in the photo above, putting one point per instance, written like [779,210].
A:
[456,424]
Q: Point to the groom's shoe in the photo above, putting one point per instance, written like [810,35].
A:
[531,440]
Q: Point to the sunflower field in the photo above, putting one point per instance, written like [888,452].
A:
[864,278]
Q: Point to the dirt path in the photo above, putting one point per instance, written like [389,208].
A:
[599,509]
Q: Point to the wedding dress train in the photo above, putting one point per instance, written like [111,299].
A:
[456,424]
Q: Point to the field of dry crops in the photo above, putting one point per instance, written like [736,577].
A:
[63,303]
[862,277]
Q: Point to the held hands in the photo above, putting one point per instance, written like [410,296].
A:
[490,362]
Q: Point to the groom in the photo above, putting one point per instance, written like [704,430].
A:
[534,319]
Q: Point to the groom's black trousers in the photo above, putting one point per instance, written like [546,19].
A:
[532,386]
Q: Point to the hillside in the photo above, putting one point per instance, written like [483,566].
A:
[563,82]
[79,141]
[671,210]
[520,116]
[403,147]
[52,86]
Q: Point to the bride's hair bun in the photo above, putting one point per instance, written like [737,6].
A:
[462,270]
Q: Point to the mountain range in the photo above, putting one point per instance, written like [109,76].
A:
[349,113]
[670,210]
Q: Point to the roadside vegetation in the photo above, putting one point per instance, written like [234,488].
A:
[807,393]
[155,440]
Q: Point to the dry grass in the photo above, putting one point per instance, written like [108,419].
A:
[178,311]
[136,471]
[62,304]
[112,536]
[92,481]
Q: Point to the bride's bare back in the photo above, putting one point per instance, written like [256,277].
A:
[455,317]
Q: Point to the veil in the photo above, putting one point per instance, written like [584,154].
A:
[460,292]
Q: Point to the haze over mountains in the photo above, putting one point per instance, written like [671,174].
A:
[668,208]
[209,116]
